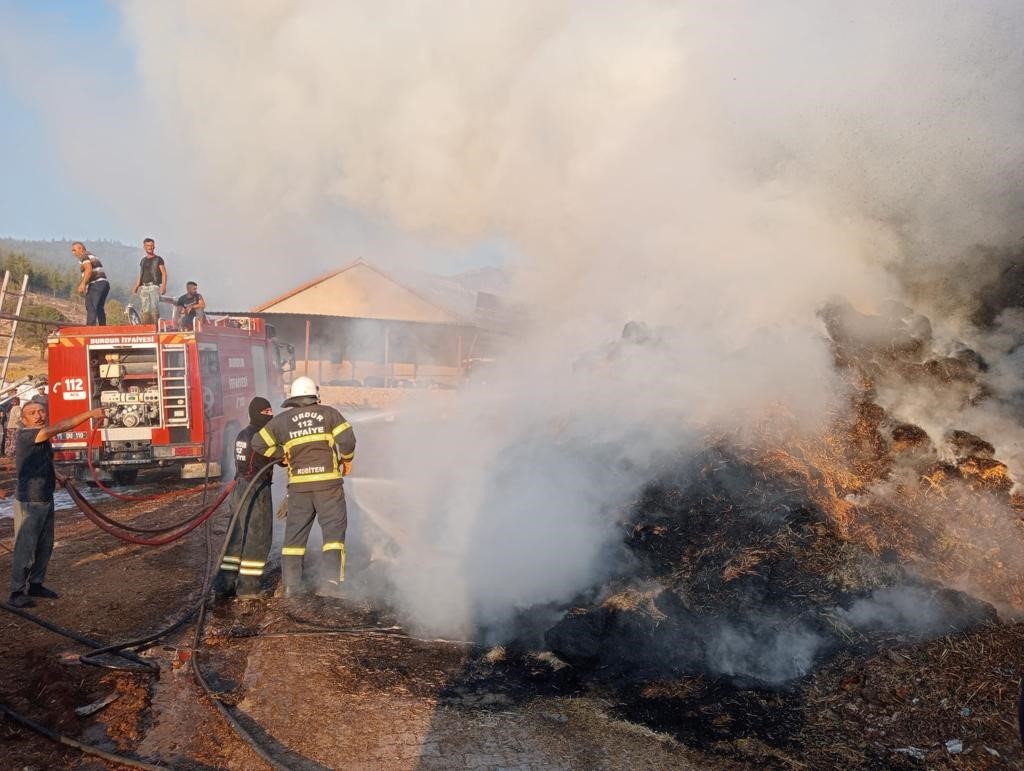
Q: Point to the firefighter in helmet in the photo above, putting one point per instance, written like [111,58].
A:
[318,445]
[246,555]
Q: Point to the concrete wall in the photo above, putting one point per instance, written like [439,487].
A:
[359,399]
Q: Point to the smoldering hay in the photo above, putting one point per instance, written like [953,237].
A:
[717,170]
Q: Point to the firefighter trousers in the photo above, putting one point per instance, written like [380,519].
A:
[249,543]
[328,506]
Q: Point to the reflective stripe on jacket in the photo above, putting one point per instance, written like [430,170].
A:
[313,440]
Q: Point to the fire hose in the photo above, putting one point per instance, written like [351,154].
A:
[1020,711]
[120,496]
[119,649]
[198,606]
[197,638]
[92,659]
[111,526]
[68,741]
[71,635]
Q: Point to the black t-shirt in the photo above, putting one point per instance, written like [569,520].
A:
[34,463]
[188,299]
[149,270]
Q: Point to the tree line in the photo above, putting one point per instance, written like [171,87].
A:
[51,279]
[59,282]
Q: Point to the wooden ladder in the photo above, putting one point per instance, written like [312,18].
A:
[9,326]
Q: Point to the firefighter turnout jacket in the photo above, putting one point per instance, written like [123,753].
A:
[312,438]
[248,462]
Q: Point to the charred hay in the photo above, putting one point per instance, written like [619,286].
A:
[756,564]
[745,578]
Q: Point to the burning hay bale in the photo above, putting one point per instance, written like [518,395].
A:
[746,577]
[966,445]
[898,331]
[907,435]
[760,560]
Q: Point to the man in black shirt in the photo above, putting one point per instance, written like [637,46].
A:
[33,502]
[94,285]
[190,306]
[152,283]
[246,555]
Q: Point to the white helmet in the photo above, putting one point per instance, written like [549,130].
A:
[304,386]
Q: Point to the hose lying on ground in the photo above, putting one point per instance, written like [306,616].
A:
[197,637]
[72,635]
[92,659]
[81,501]
[142,530]
[118,650]
[111,526]
[67,740]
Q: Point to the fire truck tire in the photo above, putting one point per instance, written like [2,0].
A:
[125,477]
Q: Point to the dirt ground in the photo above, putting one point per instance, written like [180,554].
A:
[326,683]
[315,699]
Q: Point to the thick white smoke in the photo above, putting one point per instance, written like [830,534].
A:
[715,169]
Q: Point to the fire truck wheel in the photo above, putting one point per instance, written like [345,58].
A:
[125,477]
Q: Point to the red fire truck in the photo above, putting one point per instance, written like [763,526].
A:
[172,398]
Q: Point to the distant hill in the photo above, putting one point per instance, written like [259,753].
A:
[120,260]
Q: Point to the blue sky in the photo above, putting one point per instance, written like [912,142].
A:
[38,200]
[61,60]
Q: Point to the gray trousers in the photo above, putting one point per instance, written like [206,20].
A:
[328,506]
[149,303]
[33,543]
[249,544]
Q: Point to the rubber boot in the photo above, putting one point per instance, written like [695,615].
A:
[291,576]
[224,584]
[247,587]
[332,583]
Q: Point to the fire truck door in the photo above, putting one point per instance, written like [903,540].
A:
[259,370]
[209,369]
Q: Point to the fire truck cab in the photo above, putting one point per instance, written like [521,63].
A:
[172,398]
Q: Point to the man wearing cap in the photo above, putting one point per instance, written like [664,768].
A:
[246,555]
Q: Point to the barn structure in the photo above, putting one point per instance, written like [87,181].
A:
[360,326]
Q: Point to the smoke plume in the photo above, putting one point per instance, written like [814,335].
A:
[715,171]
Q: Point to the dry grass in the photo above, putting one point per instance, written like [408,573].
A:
[636,600]
[957,524]
[860,711]
[743,563]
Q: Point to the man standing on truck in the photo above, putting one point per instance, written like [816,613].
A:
[318,445]
[246,555]
[152,283]
[94,285]
[33,502]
